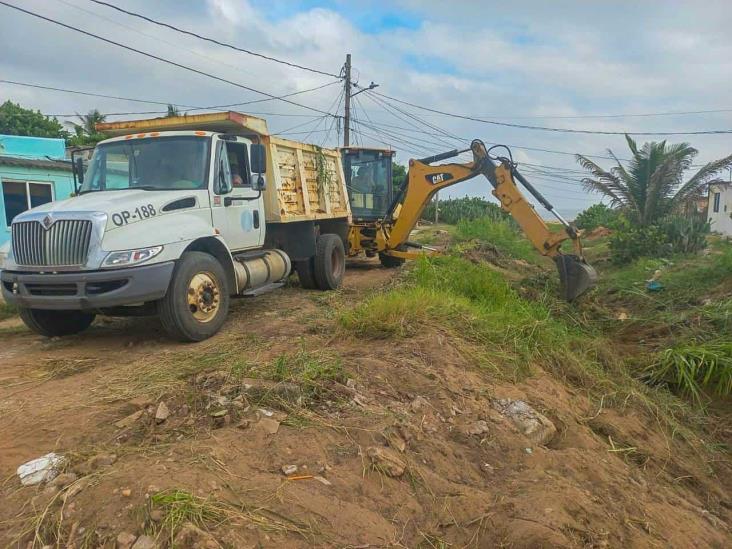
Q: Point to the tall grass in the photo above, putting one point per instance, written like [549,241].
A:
[503,234]
[693,367]
[477,305]
[6,311]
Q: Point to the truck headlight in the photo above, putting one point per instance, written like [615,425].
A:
[131,257]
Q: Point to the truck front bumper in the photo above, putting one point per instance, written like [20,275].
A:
[86,290]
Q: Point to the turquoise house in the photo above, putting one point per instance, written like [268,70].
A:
[32,172]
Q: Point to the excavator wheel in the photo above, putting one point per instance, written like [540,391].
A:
[389,261]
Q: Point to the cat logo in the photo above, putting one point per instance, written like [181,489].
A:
[437,178]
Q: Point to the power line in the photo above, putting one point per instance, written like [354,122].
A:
[158,58]
[132,100]
[190,109]
[544,128]
[214,41]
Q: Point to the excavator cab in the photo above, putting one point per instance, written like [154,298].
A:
[368,174]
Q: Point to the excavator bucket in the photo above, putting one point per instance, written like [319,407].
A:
[575,276]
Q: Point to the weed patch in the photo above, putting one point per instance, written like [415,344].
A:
[690,368]
[501,233]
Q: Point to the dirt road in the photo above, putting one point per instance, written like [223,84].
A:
[412,446]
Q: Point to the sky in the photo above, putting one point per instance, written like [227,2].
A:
[599,66]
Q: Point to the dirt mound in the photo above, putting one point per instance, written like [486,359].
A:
[284,432]
[598,232]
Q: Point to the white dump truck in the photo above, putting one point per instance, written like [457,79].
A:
[174,216]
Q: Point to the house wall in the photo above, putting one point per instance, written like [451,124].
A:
[721,221]
[62,183]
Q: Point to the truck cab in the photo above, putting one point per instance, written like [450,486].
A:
[172,217]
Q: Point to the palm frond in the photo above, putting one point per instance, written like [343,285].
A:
[695,186]
[606,183]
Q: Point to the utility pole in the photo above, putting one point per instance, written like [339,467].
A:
[347,118]
[349,95]
[437,207]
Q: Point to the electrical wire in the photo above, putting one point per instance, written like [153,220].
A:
[544,128]
[212,40]
[156,57]
[190,109]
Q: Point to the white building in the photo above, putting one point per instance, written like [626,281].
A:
[720,208]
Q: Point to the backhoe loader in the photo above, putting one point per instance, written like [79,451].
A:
[388,235]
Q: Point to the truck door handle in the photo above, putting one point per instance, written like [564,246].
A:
[229,200]
[255,214]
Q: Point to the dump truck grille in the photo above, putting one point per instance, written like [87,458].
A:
[64,243]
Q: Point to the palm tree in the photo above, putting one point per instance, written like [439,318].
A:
[173,110]
[89,122]
[652,185]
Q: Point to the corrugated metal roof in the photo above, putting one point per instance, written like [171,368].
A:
[34,163]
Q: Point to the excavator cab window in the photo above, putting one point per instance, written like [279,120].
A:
[368,177]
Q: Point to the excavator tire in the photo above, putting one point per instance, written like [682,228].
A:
[330,262]
[389,261]
[306,273]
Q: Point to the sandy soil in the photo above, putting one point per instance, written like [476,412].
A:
[608,477]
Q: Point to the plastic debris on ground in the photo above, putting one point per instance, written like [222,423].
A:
[42,469]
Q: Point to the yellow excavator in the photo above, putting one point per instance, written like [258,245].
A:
[383,220]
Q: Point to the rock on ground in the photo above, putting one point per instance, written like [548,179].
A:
[386,460]
[537,427]
[192,537]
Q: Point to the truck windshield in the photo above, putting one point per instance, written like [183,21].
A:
[156,163]
[368,177]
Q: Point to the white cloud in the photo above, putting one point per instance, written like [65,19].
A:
[512,59]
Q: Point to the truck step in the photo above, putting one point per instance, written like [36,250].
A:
[263,289]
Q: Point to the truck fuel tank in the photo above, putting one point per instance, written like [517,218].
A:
[257,269]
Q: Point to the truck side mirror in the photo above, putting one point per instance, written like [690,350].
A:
[259,184]
[79,169]
[258,158]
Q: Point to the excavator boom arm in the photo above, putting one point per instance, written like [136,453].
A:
[424,180]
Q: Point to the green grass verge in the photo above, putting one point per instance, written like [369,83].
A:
[504,235]
[479,306]
[6,311]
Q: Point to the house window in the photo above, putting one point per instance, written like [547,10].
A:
[715,207]
[19,196]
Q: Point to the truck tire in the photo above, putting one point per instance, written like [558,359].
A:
[197,301]
[389,261]
[330,262]
[55,323]
[306,273]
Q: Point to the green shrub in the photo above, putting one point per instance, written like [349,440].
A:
[686,235]
[504,235]
[599,215]
[454,210]
[631,243]
[691,367]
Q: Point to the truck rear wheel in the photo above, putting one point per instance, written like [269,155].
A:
[56,323]
[389,261]
[306,273]
[197,301]
[330,262]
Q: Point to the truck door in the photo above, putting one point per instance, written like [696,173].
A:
[237,209]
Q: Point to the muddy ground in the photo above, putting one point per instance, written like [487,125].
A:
[410,449]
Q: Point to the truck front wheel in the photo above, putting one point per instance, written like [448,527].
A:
[330,262]
[197,301]
[56,323]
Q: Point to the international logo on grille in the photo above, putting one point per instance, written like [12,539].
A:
[47,222]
